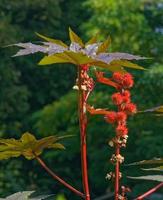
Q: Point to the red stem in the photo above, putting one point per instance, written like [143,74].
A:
[149,192]
[83,125]
[117,151]
[49,171]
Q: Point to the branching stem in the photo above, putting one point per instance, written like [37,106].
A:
[54,176]
[141,197]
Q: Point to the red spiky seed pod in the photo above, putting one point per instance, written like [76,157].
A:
[127,81]
[121,117]
[117,98]
[117,76]
[121,130]
[130,108]
[111,117]
[126,96]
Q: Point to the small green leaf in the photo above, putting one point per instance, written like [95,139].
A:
[149,177]
[75,38]
[57,146]
[27,138]
[92,40]
[128,64]
[104,46]
[59,42]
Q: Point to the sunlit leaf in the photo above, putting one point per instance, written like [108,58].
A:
[57,146]
[66,57]
[128,64]
[57,58]
[144,162]
[149,177]
[59,42]
[160,168]
[104,46]
[27,146]
[75,38]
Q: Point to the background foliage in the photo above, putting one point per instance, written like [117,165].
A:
[40,100]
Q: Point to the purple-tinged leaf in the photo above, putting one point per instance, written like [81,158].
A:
[109,57]
[54,48]
[29,48]
[91,49]
[75,47]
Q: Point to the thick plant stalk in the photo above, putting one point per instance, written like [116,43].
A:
[117,166]
[54,176]
[83,125]
[149,192]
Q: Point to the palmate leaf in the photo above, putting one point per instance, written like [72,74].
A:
[27,146]
[93,53]
[148,177]
[25,195]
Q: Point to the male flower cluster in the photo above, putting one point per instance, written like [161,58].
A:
[122,99]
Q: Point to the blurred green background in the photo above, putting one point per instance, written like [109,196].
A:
[41,100]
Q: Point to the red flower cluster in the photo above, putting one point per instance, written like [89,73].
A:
[123,101]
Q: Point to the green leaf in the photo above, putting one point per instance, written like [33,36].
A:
[25,195]
[160,168]
[27,146]
[149,177]
[66,57]
[57,146]
[92,40]
[158,109]
[110,67]
[104,46]
[75,38]
[128,64]
[59,42]
[57,58]
[144,162]
[27,138]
